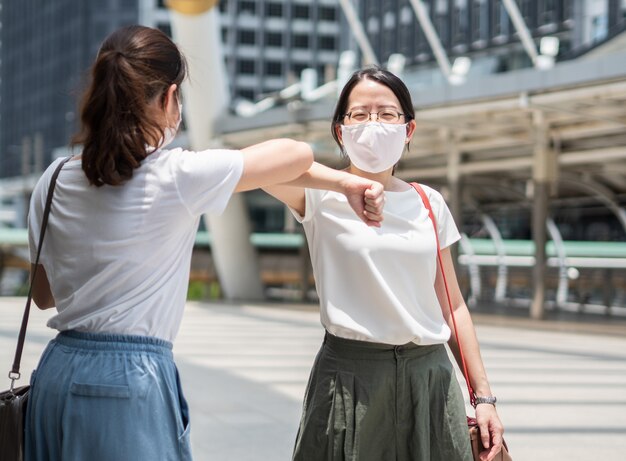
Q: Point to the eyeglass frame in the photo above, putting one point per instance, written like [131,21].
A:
[406,118]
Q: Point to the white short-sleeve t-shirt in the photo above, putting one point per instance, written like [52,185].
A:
[377,284]
[118,257]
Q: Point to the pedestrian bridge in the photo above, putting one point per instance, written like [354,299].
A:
[582,275]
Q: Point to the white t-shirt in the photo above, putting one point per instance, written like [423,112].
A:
[377,284]
[118,257]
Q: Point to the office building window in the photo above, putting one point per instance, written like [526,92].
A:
[247,37]
[274,10]
[327,42]
[300,41]
[527,9]
[500,19]
[480,22]
[327,13]
[547,12]
[274,39]
[301,11]
[246,94]
[246,7]
[246,66]
[298,68]
[599,27]
[274,68]
[165,28]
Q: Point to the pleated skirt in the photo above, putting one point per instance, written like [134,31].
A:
[379,402]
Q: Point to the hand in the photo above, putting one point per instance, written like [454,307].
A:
[490,431]
[366,197]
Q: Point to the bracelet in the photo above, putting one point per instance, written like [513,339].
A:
[490,399]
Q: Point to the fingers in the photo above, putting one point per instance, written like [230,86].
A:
[374,204]
[485,437]
[375,190]
[491,438]
[372,219]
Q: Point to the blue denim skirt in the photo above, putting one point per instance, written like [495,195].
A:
[379,402]
[106,397]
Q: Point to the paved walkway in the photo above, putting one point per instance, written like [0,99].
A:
[244,369]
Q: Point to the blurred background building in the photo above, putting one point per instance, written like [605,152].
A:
[521,120]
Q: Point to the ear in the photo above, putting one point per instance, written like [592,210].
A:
[410,129]
[171,101]
[338,133]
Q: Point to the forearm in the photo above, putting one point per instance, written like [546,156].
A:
[319,176]
[471,350]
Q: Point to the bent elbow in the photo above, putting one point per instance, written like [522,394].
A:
[44,302]
[305,155]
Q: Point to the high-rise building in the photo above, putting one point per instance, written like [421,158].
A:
[47,48]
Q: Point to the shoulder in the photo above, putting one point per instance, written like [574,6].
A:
[44,180]
[433,195]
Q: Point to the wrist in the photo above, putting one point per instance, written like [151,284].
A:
[343,182]
[485,400]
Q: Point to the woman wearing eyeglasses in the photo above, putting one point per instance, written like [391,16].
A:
[382,386]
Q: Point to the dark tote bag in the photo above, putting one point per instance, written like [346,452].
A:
[13,402]
[474,431]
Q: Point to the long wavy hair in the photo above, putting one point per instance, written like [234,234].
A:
[135,66]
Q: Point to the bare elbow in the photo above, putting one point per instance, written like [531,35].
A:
[305,155]
[44,302]
[42,294]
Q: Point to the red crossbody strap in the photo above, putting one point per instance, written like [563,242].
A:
[424,197]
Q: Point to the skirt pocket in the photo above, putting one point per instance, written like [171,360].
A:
[100,390]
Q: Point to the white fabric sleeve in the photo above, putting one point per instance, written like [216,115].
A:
[312,197]
[206,180]
[448,232]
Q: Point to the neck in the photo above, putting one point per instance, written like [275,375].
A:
[384,177]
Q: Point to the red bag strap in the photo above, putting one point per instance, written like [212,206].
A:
[431,214]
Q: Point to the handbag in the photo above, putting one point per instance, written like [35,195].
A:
[13,401]
[474,430]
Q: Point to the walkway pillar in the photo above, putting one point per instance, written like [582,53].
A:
[196,29]
[455,187]
[540,192]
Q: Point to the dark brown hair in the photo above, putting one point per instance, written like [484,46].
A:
[382,76]
[134,66]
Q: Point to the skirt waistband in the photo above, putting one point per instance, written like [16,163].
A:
[114,342]
[371,350]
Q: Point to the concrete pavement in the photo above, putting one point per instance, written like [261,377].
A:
[244,369]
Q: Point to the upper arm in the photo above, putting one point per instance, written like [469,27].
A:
[292,196]
[42,294]
[456,297]
[273,162]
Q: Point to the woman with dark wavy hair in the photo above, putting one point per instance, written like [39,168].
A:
[116,259]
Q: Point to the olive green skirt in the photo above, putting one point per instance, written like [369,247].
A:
[379,402]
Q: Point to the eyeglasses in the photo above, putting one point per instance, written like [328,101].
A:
[383,116]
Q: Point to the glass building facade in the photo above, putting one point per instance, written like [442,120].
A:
[46,48]
[483,30]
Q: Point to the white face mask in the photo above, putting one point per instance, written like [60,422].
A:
[170,132]
[374,146]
